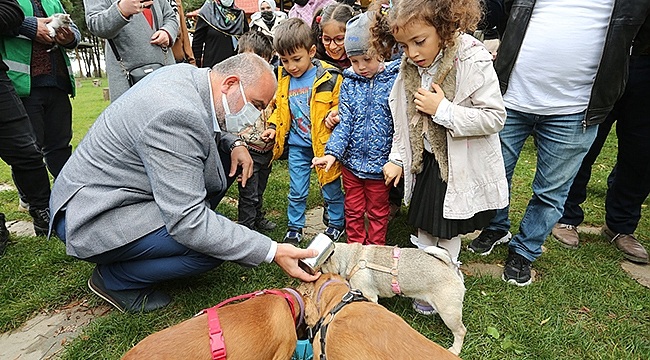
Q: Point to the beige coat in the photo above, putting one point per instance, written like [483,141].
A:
[477,179]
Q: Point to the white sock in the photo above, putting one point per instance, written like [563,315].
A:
[453,246]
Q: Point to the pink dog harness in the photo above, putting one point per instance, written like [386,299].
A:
[217,342]
[363,263]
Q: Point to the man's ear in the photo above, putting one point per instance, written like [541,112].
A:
[312,51]
[229,82]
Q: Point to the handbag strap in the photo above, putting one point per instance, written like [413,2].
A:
[114,48]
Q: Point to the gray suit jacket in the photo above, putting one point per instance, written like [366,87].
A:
[131,37]
[151,160]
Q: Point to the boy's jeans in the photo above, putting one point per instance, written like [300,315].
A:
[561,142]
[299,175]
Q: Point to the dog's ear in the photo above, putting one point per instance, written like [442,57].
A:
[311,312]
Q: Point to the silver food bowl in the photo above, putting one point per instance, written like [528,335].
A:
[325,247]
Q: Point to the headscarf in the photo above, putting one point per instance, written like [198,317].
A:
[229,20]
[267,16]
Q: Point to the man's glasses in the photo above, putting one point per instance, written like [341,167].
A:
[339,40]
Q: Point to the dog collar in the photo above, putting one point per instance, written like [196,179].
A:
[217,342]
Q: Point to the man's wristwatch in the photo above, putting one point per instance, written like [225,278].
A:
[238,142]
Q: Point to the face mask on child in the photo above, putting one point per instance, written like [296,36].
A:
[247,116]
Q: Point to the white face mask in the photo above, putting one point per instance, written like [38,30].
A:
[247,116]
[227,3]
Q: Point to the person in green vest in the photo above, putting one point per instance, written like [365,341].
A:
[39,69]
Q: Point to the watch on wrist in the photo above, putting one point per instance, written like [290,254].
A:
[238,142]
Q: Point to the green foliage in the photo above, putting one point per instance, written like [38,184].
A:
[581,306]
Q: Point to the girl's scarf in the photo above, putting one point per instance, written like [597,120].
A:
[420,123]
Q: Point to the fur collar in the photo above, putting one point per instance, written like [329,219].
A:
[420,123]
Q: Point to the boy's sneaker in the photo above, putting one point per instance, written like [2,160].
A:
[487,240]
[333,233]
[517,270]
[423,308]
[4,234]
[293,237]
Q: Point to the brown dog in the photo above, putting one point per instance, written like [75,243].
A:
[262,327]
[362,330]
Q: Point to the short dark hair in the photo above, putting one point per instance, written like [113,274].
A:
[256,42]
[291,35]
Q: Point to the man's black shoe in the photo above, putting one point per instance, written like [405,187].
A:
[265,224]
[517,270]
[4,234]
[132,301]
[41,219]
[487,240]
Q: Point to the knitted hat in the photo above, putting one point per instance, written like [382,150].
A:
[357,35]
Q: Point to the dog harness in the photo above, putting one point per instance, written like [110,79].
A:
[351,296]
[363,263]
[217,343]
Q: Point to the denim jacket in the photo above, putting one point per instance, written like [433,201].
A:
[362,140]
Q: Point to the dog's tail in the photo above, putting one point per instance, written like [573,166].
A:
[440,254]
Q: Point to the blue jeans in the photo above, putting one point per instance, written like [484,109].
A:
[562,142]
[151,259]
[299,175]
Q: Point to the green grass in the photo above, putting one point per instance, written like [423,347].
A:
[582,305]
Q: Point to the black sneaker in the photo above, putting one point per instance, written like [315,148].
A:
[41,219]
[293,237]
[487,240]
[4,234]
[333,233]
[133,301]
[517,270]
[265,224]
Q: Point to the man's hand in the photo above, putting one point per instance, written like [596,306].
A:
[323,162]
[239,156]
[287,257]
[427,101]
[160,38]
[42,32]
[268,135]
[392,173]
[64,36]
[332,119]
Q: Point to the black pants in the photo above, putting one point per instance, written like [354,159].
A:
[251,196]
[18,147]
[629,183]
[50,113]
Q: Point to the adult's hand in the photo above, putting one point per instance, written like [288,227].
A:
[42,32]
[239,156]
[132,7]
[287,257]
[64,36]
[160,38]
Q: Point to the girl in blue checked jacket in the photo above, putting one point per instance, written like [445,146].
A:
[362,140]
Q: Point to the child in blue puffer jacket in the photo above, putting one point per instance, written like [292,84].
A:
[362,140]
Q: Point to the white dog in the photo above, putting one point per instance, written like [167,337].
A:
[58,21]
[427,275]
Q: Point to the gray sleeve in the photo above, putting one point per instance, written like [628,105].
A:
[103,18]
[170,21]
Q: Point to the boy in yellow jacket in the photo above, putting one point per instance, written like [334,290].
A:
[308,91]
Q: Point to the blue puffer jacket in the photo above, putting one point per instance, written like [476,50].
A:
[363,138]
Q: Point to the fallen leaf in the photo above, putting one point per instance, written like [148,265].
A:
[544,321]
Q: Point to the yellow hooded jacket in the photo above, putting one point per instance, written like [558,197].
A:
[324,98]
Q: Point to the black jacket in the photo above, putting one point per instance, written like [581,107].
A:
[627,17]
[11,17]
